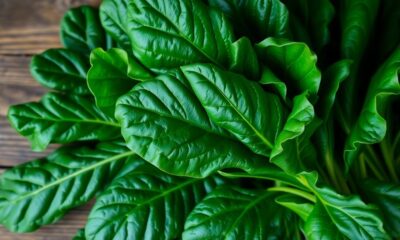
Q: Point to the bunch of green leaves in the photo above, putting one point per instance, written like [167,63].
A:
[218,119]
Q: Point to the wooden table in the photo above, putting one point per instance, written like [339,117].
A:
[28,27]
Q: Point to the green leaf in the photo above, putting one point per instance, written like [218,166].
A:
[348,216]
[292,146]
[234,213]
[42,191]
[113,74]
[309,21]
[80,235]
[244,59]
[61,70]
[240,106]
[113,16]
[332,77]
[293,62]
[268,78]
[146,204]
[297,204]
[171,130]
[166,36]
[257,19]
[81,30]
[386,196]
[370,127]
[357,19]
[319,225]
[61,118]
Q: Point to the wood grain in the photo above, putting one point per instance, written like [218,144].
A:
[29,27]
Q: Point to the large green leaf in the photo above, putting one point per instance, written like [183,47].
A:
[146,204]
[234,213]
[343,217]
[42,191]
[332,77]
[240,106]
[257,19]
[163,121]
[244,59]
[371,126]
[113,74]
[113,16]
[81,30]
[292,145]
[292,62]
[61,118]
[387,197]
[357,22]
[309,21]
[299,205]
[170,34]
[61,70]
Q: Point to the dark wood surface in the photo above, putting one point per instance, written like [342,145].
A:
[29,27]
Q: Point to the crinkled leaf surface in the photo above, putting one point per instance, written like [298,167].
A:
[61,70]
[257,19]
[234,213]
[371,126]
[113,74]
[347,216]
[42,191]
[170,35]
[238,105]
[171,130]
[61,118]
[293,62]
[113,16]
[81,30]
[146,204]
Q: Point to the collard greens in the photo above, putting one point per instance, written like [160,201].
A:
[218,119]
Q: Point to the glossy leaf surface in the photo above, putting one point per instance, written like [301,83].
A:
[170,35]
[42,191]
[60,118]
[61,70]
[146,203]
[171,130]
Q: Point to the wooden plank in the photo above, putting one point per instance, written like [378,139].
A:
[29,27]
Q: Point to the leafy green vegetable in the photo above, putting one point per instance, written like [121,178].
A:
[42,191]
[81,30]
[112,74]
[61,70]
[217,119]
[171,130]
[179,33]
[146,203]
[234,213]
[293,62]
[242,108]
[59,118]
[257,19]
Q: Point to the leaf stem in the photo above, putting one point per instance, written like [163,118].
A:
[294,191]
[388,158]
